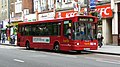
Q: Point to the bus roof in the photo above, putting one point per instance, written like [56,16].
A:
[54,20]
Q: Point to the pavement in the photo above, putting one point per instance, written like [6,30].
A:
[7,43]
[105,49]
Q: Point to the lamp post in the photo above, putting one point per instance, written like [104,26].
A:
[9,20]
[88,7]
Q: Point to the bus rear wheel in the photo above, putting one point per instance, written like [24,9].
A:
[56,47]
[27,45]
[79,51]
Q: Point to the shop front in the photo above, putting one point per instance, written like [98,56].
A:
[105,25]
[12,27]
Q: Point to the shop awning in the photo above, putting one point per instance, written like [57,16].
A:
[2,28]
[12,24]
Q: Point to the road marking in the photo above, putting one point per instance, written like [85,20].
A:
[62,55]
[17,60]
[108,55]
[107,61]
[29,51]
[104,60]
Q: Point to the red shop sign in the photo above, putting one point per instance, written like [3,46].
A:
[104,10]
[65,14]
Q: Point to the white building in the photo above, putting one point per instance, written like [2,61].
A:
[115,6]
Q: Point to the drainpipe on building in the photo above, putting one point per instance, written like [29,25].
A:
[36,15]
[54,10]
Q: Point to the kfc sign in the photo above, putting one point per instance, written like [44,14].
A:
[105,11]
[66,14]
[72,14]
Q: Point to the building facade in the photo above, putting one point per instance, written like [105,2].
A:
[115,4]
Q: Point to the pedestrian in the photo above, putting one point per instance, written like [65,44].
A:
[0,37]
[100,38]
[3,38]
[12,39]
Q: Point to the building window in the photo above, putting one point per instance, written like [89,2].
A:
[68,1]
[3,2]
[19,0]
[35,5]
[59,0]
[59,3]
[85,1]
[43,4]
[18,7]
[12,15]
[50,4]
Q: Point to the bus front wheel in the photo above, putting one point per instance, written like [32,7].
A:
[56,47]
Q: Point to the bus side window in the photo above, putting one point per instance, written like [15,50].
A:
[33,29]
[22,31]
[27,30]
[56,28]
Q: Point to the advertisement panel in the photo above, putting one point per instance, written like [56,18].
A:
[41,39]
[44,16]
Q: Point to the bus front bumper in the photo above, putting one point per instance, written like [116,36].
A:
[84,47]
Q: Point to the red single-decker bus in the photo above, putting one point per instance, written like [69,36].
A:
[67,34]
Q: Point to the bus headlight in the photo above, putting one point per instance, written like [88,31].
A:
[78,44]
[91,43]
[94,43]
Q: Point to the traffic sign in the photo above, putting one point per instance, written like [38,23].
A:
[92,4]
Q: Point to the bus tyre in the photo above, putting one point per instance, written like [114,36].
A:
[56,48]
[27,45]
[79,51]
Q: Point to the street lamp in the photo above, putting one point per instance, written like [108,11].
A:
[88,7]
[9,20]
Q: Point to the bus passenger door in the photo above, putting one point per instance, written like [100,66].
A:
[66,35]
[67,29]
[22,37]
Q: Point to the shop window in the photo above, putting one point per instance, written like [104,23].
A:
[50,4]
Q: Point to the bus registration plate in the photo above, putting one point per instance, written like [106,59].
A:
[86,48]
